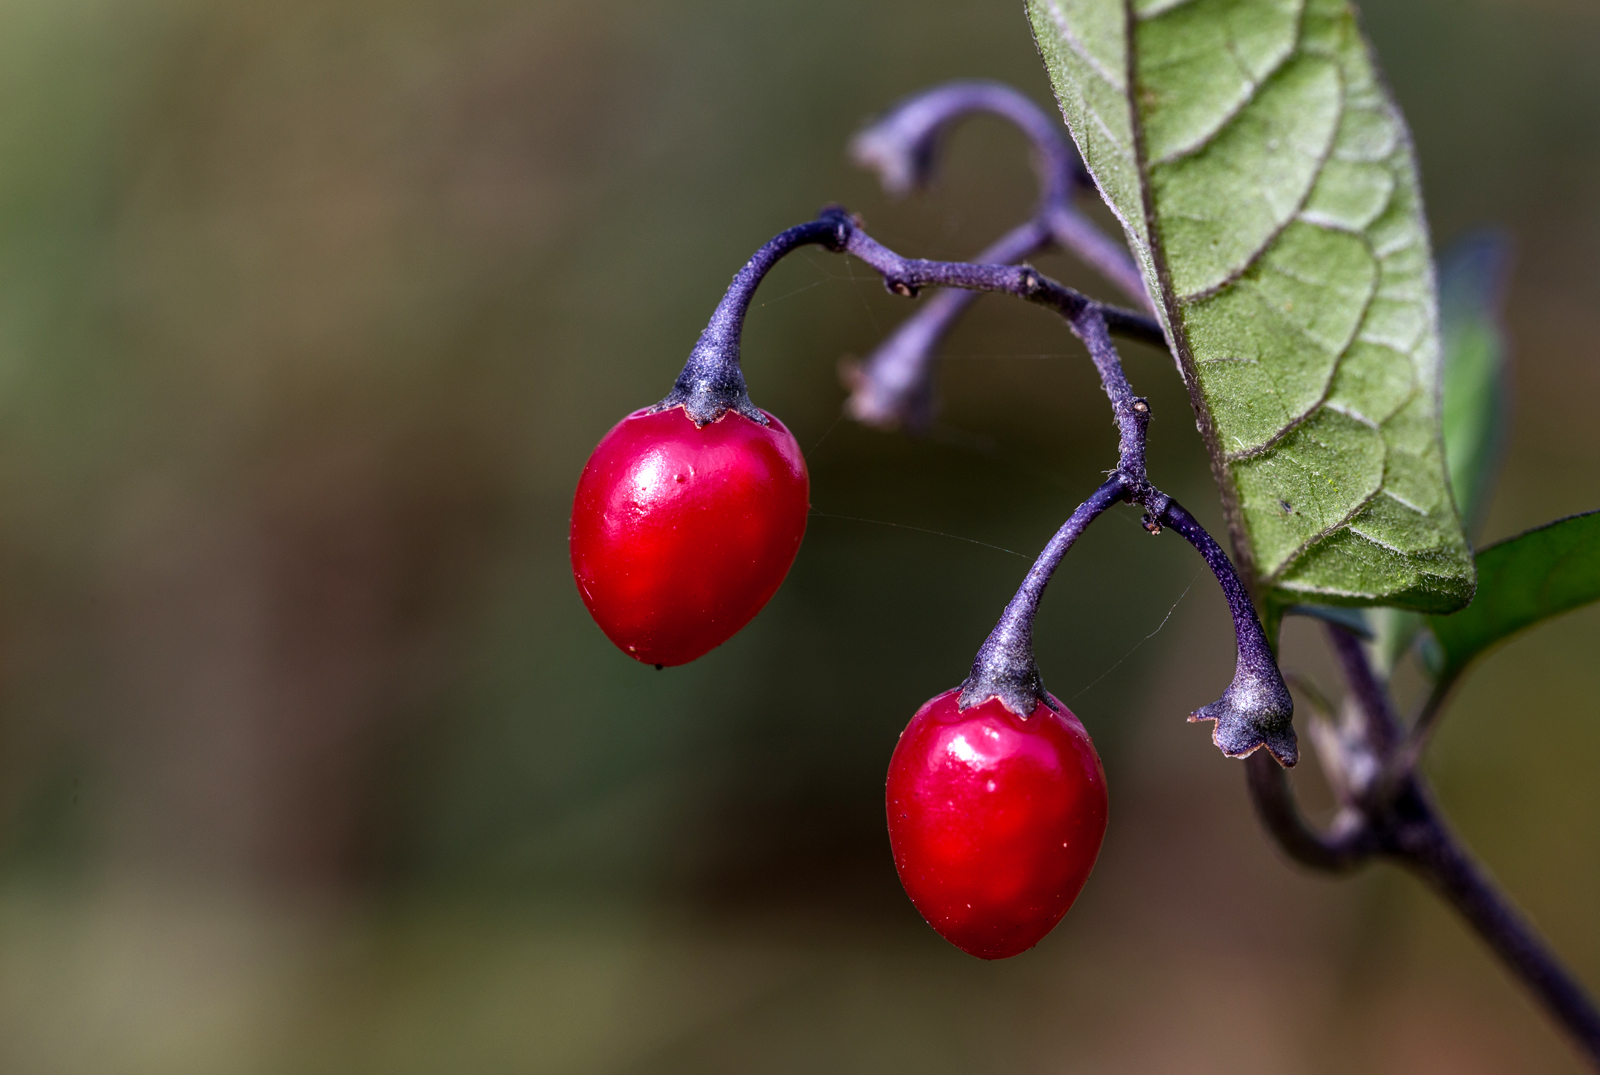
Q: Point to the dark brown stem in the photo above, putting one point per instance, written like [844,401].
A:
[1416,836]
[1391,814]
[1344,848]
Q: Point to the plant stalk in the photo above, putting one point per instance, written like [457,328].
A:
[1393,816]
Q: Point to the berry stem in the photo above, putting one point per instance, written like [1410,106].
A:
[712,383]
[902,144]
[1005,667]
[1131,412]
[1256,710]
[906,276]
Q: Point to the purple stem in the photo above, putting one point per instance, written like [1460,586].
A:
[1416,835]
[1131,412]
[1005,667]
[901,145]
[1345,848]
[906,276]
[1075,232]
[894,385]
[1256,710]
[1380,726]
[1400,821]
[712,383]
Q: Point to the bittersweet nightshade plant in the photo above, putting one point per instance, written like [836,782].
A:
[682,532]
[995,819]
[1276,246]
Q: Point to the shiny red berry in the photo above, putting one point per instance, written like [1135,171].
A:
[995,820]
[680,534]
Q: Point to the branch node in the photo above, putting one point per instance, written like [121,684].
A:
[893,386]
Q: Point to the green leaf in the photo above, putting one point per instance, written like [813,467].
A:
[1350,619]
[1393,632]
[1472,278]
[1522,581]
[1269,192]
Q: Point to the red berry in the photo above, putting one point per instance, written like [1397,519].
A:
[995,820]
[680,534]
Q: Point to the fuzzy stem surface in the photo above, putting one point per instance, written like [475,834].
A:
[1005,667]
[711,383]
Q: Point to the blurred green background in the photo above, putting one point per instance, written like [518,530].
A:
[312,761]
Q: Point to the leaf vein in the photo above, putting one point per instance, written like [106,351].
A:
[1246,99]
[1322,535]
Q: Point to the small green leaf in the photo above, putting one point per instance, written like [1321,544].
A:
[1350,619]
[1393,632]
[1471,291]
[1522,581]
[1269,192]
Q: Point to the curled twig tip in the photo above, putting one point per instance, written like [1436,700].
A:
[901,146]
